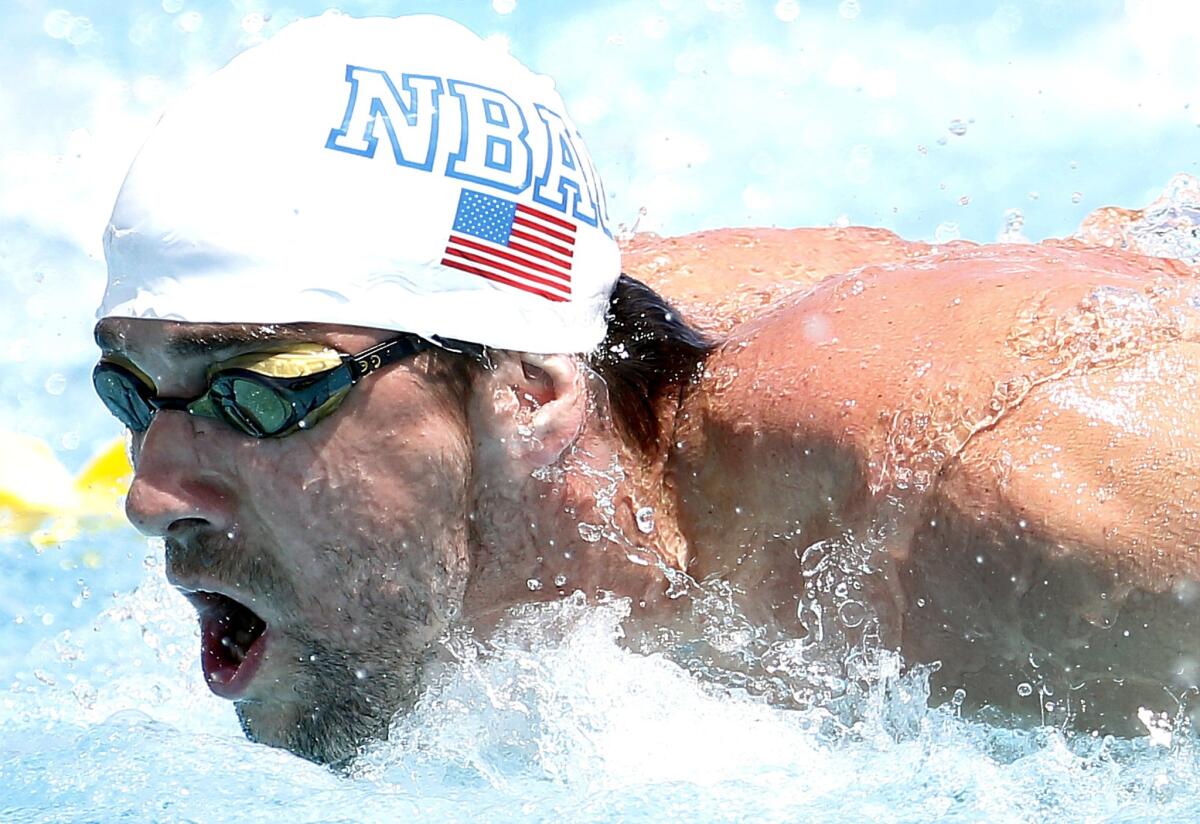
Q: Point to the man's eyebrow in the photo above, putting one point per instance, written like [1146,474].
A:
[190,342]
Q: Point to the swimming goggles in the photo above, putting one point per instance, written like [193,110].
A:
[260,395]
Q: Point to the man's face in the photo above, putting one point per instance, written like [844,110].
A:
[348,541]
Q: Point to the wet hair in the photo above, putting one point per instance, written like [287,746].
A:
[648,351]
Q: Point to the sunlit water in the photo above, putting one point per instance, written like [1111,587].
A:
[104,715]
[105,718]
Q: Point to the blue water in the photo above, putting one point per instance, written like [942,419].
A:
[105,718]
[930,120]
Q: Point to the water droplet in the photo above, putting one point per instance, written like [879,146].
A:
[960,695]
[79,30]
[56,384]
[534,584]
[958,127]
[946,232]
[85,694]
[55,23]
[504,6]
[590,532]
[1014,221]
[787,10]
[560,580]
[849,9]
[360,674]
[172,6]
[1024,689]
[852,614]
[1076,197]
[645,520]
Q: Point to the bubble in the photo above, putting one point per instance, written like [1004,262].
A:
[849,9]
[533,584]
[965,200]
[172,6]
[560,580]
[960,695]
[1024,689]
[958,127]
[787,10]
[1076,197]
[191,22]
[504,6]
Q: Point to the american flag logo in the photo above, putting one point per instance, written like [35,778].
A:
[512,244]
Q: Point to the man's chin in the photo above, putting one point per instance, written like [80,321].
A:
[329,732]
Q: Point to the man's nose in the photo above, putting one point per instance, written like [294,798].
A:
[174,480]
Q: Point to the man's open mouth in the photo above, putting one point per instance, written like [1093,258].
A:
[232,642]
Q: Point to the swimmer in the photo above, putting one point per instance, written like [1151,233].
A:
[366,322]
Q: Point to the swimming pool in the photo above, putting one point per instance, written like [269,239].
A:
[936,125]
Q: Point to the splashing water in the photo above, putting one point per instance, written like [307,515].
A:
[1169,227]
[554,718]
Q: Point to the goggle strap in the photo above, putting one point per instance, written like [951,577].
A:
[380,355]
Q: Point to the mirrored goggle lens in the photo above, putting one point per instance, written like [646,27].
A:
[253,407]
[122,392]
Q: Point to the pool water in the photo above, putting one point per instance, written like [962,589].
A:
[106,718]
[103,712]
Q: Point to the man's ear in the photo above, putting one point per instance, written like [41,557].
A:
[533,406]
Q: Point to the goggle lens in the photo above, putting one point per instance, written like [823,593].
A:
[121,392]
[244,401]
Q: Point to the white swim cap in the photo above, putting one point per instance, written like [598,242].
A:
[394,173]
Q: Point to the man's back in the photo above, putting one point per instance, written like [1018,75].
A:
[993,451]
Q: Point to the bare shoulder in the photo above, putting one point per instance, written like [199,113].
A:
[936,344]
[722,277]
